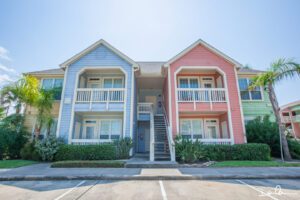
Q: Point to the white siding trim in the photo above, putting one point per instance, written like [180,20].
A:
[132,104]
[241,105]
[227,96]
[74,92]
[62,102]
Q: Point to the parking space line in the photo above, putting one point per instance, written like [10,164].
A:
[81,195]
[258,190]
[70,190]
[162,189]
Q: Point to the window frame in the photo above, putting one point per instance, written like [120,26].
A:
[249,91]
[97,128]
[189,81]
[217,125]
[101,81]
[52,85]
[191,132]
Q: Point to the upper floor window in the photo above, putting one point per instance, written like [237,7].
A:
[246,94]
[117,82]
[189,82]
[54,84]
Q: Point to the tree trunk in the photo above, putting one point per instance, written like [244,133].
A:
[281,126]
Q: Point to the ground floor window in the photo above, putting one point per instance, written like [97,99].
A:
[103,129]
[199,128]
[191,128]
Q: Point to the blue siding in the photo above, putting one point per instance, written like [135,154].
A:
[101,56]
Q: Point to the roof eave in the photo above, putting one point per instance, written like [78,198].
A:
[93,46]
[186,50]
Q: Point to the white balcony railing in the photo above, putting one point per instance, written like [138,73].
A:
[145,108]
[285,119]
[296,118]
[87,95]
[201,94]
[100,95]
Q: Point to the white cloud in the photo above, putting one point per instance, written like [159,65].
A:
[4,78]
[4,53]
[7,69]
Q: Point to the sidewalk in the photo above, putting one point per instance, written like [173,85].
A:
[44,172]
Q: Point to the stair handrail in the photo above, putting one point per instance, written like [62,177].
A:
[152,134]
[169,134]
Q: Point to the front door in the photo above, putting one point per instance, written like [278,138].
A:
[141,139]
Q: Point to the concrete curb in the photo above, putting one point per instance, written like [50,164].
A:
[138,177]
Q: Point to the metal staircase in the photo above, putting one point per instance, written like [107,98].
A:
[161,145]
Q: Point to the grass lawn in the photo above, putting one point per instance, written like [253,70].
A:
[15,163]
[88,164]
[254,164]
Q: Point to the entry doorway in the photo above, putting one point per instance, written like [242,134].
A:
[143,143]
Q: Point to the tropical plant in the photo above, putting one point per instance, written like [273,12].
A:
[12,136]
[279,70]
[44,103]
[123,147]
[48,147]
[188,151]
[17,94]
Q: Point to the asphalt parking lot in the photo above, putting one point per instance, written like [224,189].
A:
[165,190]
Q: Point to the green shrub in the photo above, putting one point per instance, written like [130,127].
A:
[188,151]
[48,147]
[264,131]
[294,147]
[13,136]
[250,151]
[105,151]
[88,163]
[123,147]
[28,152]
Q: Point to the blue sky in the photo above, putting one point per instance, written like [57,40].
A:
[40,34]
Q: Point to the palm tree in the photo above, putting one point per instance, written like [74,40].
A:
[279,70]
[44,104]
[24,91]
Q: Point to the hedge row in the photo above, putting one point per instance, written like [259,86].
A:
[88,163]
[87,152]
[250,151]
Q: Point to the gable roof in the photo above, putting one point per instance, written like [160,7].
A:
[289,105]
[56,71]
[94,46]
[201,42]
[245,70]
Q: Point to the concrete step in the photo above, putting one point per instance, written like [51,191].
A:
[153,164]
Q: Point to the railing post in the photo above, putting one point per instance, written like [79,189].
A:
[91,98]
[209,97]
[108,98]
[194,98]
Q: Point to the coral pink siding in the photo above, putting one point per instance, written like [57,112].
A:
[201,56]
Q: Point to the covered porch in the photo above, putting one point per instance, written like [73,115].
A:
[97,127]
[200,88]
[100,89]
[209,128]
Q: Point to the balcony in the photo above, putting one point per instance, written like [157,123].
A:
[201,95]
[285,119]
[204,99]
[99,97]
[296,118]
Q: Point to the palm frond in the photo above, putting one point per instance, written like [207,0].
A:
[285,69]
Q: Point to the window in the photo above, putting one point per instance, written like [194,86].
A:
[54,84]
[110,129]
[113,83]
[191,128]
[246,94]
[188,82]
[89,129]
[211,129]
